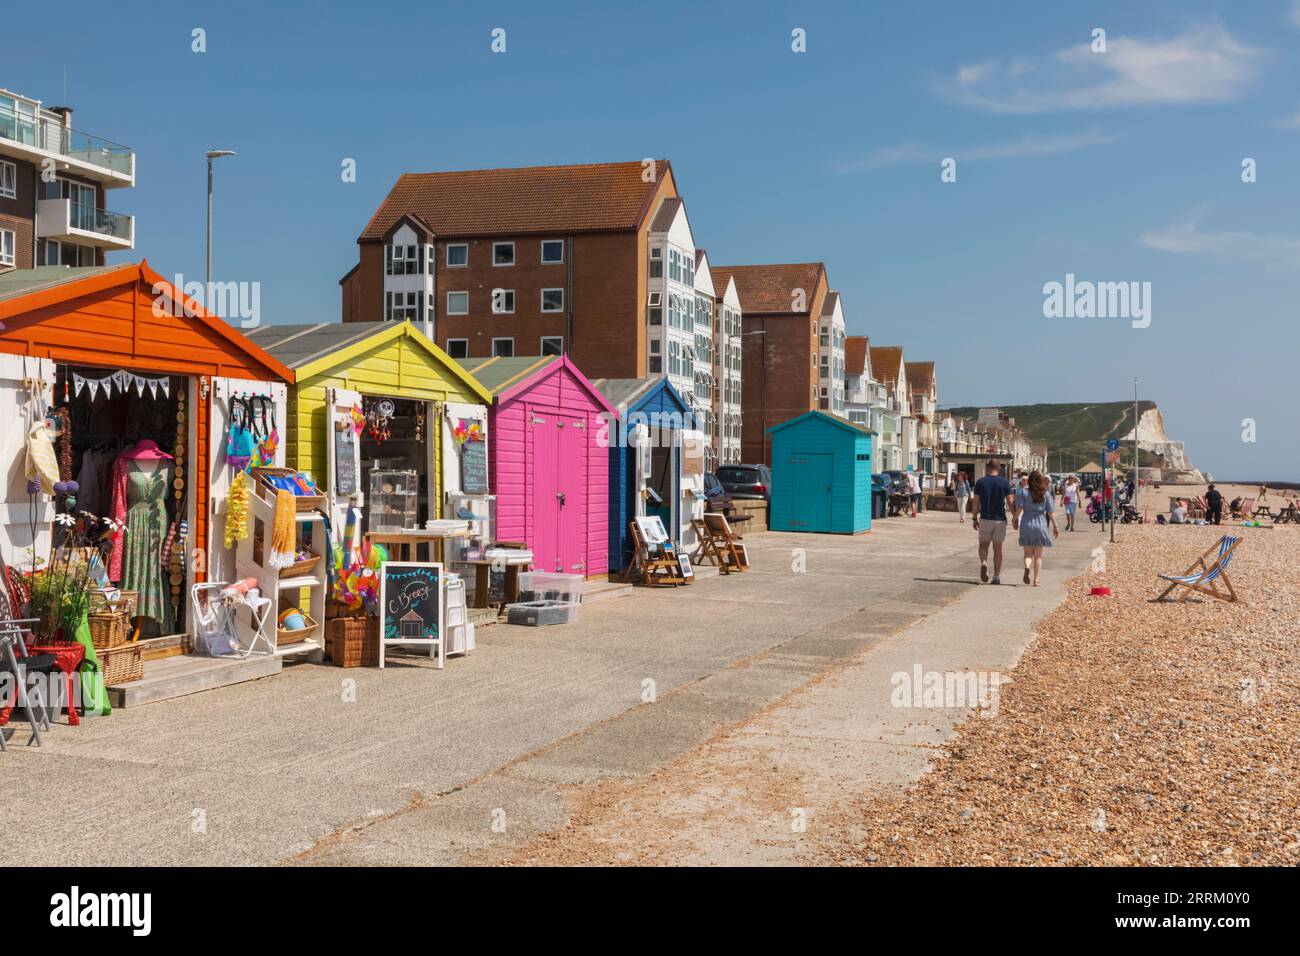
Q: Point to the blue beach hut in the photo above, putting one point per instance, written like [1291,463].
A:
[645,463]
[821,475]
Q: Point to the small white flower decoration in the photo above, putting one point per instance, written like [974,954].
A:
[111,524]
[66,520]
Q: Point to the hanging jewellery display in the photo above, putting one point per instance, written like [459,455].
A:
[177,563]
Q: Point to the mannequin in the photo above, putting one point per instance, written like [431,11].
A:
[142,479]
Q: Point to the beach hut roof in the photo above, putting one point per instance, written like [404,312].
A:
[311,348]
[831,419]
[626,393]
[503,376]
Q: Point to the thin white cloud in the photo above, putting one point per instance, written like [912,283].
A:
[1293,14]
[1275,252]
[1027,146]
[1205,64]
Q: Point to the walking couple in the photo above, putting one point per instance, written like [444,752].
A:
[1032,513]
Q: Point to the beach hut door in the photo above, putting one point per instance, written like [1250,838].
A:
[20,512]
[641,449]
[573,495]
[221,561]
[343,451]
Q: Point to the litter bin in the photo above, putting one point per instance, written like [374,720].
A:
[879,503]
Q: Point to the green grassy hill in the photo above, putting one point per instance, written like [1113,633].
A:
[1077,431]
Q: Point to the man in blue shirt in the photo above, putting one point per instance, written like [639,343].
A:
[994,494]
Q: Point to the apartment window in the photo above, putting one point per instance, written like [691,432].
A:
[403,260]
[656,298]
[656,366]
[674,358]
[552,300]
[655,346]
[401,306]
[458,348]
[503,347]
[552,345]
[552,251]
[67,254]
[8,180]
[656,263]
[457,255]
[7,246]
[458,303]
[656,316]
[503,301]
[503,253]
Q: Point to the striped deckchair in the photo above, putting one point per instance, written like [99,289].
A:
[1204,577]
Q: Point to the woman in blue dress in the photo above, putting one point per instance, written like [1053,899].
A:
[1037,516]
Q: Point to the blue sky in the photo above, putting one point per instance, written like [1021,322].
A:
[1119,166]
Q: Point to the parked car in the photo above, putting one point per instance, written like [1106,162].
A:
[716,498]
[746,481]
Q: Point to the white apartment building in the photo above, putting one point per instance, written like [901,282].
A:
[831,356]
[705,359]
[53,184]
[409,278]
[727,388]
[890,394]
[673,306]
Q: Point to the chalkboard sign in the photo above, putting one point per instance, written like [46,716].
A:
[474,468]
[411,606]
[345,460]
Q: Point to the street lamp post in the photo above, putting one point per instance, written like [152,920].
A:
[212,154]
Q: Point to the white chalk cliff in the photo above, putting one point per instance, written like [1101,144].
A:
[1151,437]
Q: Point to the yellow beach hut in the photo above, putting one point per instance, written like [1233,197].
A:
[379,400]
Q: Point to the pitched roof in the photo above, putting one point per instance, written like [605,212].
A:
[769,289]
[856,349]
[721,275]
[832,419]
[626,393]
[920,376]
[313,347]
[663,220]
[828,307]
[886,362]
[600,197]
[498,373]
[21,281]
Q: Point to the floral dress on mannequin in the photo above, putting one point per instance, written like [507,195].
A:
[140,488]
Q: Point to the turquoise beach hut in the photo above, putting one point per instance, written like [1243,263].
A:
[821,475]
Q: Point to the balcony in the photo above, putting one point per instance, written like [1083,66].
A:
[28,133]
[80,222]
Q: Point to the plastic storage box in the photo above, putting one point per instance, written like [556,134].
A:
[548,586]
[541,613]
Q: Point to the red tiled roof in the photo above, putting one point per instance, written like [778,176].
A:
[856,348]
[601,197]
[886,362]
[920,376]
[769,290]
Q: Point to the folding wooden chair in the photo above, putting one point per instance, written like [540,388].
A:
[1246,509]
[654,566]
[718,544]
[1204,578]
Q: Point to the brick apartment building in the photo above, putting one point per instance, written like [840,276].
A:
[519,261]
[53,184]
[782,305]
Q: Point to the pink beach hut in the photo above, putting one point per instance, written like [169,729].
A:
[549,460]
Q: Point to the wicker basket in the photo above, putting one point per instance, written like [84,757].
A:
[108,629]
[300,568]
[353,641]
[269,491]
[122,664]
[128,602]
[285,637]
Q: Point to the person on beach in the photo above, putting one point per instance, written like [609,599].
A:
[1178,513]
[1263,493]
[990,519]
[1214,505]
[1036,517]
[961,488]
[913,492]
[1070,499]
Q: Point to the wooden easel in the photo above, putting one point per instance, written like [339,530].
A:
[654,571]
[717,544]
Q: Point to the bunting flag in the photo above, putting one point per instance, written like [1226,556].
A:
[124,382]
